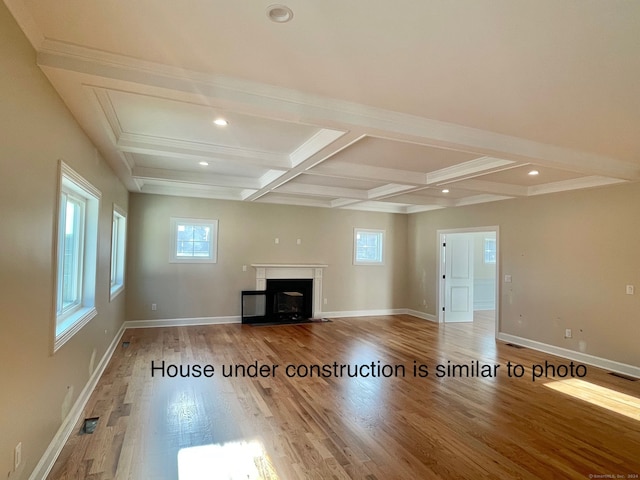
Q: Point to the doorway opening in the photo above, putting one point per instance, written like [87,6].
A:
[468,287]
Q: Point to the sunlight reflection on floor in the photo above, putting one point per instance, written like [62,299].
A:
[230,461]
[597,395]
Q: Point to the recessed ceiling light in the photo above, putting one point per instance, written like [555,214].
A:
[204,164]
[221,122]
[279,13]
[445,190]
[534,173]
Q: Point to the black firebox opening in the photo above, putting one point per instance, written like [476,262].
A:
[289,299]
[283,301]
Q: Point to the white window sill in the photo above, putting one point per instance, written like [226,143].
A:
[72,325]
[115,291]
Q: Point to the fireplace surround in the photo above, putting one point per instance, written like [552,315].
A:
[284,293]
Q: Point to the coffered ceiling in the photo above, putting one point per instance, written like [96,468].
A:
[401,107]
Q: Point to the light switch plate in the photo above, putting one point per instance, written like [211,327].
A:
[507,279]
[630,290]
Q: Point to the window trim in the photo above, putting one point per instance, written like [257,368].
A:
[213,246]
[65,324]
[118,251]
[381,248]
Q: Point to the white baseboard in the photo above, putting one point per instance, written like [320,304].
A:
[50,455]
[181,322]
[422,315]
[362,313]
[603,363]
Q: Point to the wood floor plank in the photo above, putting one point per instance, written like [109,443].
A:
[364,427]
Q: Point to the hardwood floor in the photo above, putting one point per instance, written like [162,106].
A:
[395,427]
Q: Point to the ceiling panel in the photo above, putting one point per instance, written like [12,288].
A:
[380,152]
[170,119]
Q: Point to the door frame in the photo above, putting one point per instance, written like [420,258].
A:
[440,233]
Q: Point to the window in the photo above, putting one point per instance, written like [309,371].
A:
[194,240]
[118,243]
[76,259]
[368,247]
[489,250]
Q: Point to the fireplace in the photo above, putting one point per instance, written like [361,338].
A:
[283,301]
[285,293]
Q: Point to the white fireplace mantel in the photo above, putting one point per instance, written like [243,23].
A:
[265,271]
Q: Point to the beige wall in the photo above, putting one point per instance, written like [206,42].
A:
[570,256]
[246,235]
[36,130]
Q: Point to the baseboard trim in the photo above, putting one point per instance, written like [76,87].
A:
[603,363]
[181,322]
[422,315]
[363,313]
[48,459]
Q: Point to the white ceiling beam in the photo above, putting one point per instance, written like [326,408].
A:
[322,191]
[422,208]
[293,200]
[313,145]
[388,190]
[178,191]
[424,200]
[475,199]
[375,206]
[478,166]
[341,202]
[492,187]
[196,178]
[318,157]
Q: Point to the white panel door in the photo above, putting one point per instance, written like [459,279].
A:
[458,281]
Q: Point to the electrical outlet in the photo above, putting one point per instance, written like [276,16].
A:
[276,240]
[154,307]
[567,333]
[17,456]
[325,301]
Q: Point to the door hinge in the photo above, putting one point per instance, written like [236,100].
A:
[444,244]
[443,277]
[443,309]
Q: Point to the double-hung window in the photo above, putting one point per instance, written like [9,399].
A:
[76,259]
[71,251]
[194,240]
[368,247]
[489,250]
[118,243]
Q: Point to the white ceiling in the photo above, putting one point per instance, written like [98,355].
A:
[359,104]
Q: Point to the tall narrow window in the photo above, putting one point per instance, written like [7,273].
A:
[194,240]
[76,260]
[368,247]
[489,250]
[118,243]
[71,249]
